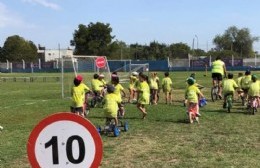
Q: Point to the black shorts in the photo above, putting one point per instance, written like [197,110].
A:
[76,109]
[217,76]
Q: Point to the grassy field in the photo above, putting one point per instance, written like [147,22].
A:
[164,139]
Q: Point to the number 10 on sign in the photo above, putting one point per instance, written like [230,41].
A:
[64,140]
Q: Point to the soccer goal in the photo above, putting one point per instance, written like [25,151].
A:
[125,71]
[83,65]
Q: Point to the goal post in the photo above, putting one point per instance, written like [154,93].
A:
[86,66]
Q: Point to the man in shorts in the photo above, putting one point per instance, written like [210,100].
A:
[218,71]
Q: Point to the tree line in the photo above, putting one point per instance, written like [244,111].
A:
[97,39]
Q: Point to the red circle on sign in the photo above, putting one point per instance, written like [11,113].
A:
[63,116]
[100,62]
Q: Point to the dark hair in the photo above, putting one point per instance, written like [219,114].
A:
[114,73]
[110,88]
[240,74]
[248,72]
[96,76]
[166,74]
[76,82]
[230,76]
[143,76]
[218,58]
[115,79]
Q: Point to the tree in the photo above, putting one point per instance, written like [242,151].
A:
[93,39]
[179,50]
[17,48]
[237,40]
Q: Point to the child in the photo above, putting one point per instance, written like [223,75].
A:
[118,90]
[111,103]
[229,87]
[103,83]
[254,89]
[167,87]
[154,85]
[196,84]
[192,92]
[132,83]
[78,98]
[86,90]
[96,85]
[239,89]
[245,83]
[143,94]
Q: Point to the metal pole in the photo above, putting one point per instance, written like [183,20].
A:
[62,78]
[197,41]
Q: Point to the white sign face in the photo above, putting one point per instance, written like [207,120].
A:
[64,142]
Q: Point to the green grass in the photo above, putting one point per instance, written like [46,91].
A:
[164,139]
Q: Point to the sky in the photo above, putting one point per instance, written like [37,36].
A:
[51,23]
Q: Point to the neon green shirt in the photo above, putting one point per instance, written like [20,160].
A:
[153,82]
[192,93]
[77,96]
[85,88]
[167,84]
[229,85]
[118,89]
[110,107]
[254,89]
[144,93]
[246,81]
[217,67]
[239,81]
[96,85]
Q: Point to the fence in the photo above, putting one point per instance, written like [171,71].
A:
[123,65]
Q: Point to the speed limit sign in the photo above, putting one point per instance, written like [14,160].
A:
[64,140]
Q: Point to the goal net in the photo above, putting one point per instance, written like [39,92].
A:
[125,71]
[85,66]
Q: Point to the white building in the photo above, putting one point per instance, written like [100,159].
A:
[53,55]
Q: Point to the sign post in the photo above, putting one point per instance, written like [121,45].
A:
[64,140]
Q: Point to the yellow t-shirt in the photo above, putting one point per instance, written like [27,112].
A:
[110,107]
[229,85]
[84,88]
[96,85]
[77,96]
[192,93]
[167,84]
[118,89]
[144,93]
[153,82]
[254,89]
[246,81]
[132,82]
[217,67]
[239,81]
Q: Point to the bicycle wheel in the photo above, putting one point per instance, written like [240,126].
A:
[229,103]
[214,93]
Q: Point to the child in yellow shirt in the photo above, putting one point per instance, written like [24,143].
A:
[111,103]
[118,90]
[229,86]
[254,89]
[154,86]
[78,98]
[192,94]
[143,91]
[167,88]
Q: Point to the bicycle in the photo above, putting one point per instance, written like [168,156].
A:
[229,102]
[214,93]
